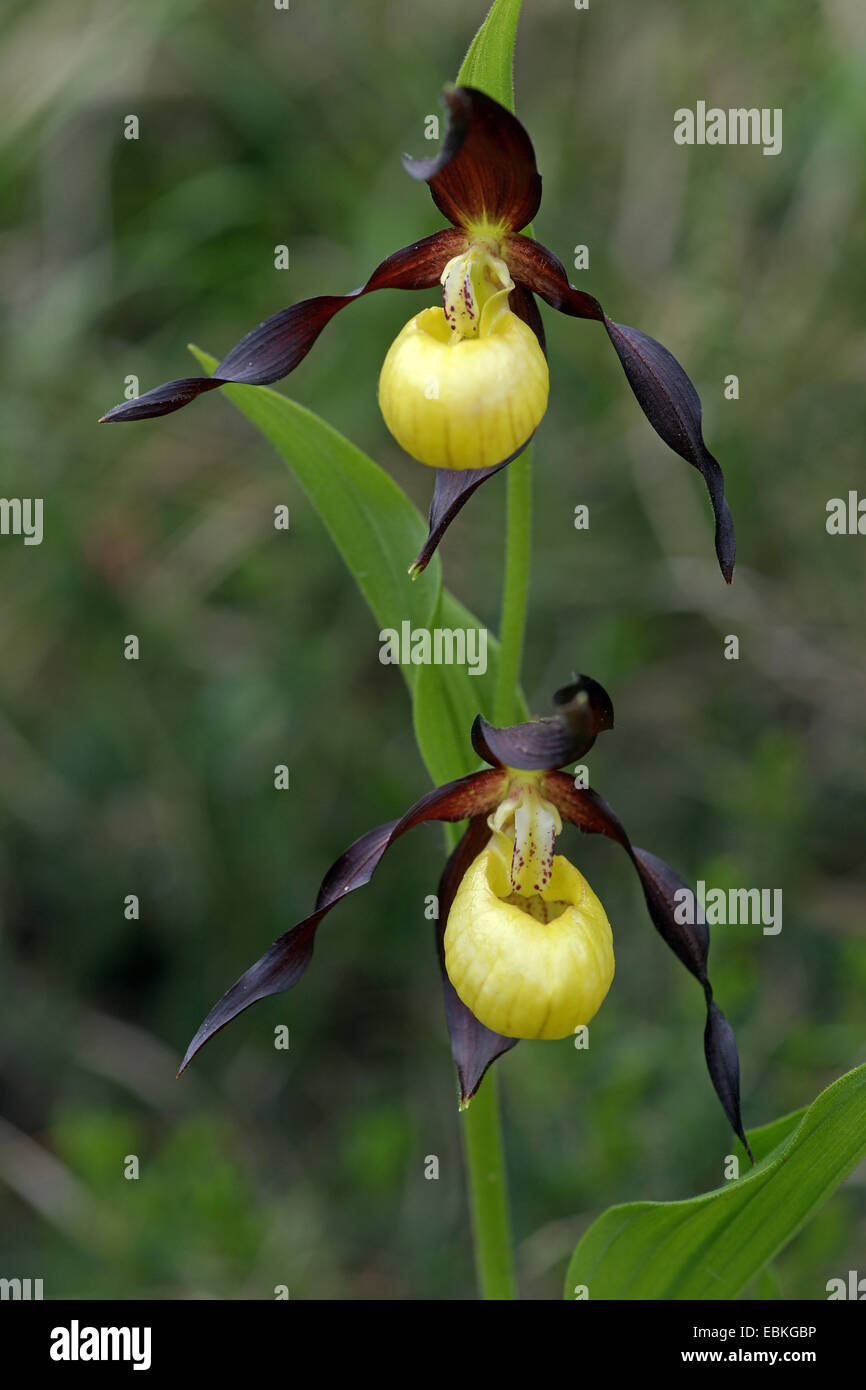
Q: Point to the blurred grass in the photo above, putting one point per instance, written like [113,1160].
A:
[306,1167]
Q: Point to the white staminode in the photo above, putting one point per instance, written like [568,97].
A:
[470,282]
[534,824]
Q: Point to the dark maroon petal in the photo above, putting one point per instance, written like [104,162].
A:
[584,710]
[663,390]
[453,488]
[538,269]
[285,961]
[275,348]
[486,167]
[473,1045]
[162,400]
[691,943]
[673,407]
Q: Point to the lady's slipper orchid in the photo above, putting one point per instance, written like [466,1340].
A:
[524,945]
[463,387]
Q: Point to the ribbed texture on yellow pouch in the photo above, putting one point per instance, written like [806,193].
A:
[468,403]
[520,976]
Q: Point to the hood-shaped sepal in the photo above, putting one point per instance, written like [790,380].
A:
[485,172]
[584,710]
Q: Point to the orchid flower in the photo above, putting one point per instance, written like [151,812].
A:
[525,947]
[463,387]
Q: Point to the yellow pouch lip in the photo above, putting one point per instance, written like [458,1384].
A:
[521,977]
[464,403]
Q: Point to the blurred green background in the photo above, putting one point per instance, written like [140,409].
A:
[306,1168]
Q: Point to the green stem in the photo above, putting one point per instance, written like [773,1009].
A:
[485,1156]
[515,590]
[488,1197]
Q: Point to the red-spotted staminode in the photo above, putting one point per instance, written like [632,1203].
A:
[525,947]
[464,386]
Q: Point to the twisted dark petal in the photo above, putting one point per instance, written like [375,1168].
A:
[473,1046]
[285,961]
[723,1064]
[663,390]
[584,710]
[673,407]
[162,400]
[486,167]
[691,943]
[538,269]
[275,348]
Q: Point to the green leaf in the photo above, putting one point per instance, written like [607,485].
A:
[764,1140]
[489,62]
[439,710]
[377,530]
[712,1246]
[447,699]
[375,527]
[767,1287]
